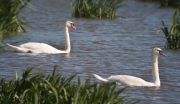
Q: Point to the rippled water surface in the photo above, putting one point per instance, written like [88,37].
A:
[105,47]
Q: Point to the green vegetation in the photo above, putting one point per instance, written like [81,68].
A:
[173,36]
[95,8]
[172,3]
[10,20]
[166,3]
[57,89]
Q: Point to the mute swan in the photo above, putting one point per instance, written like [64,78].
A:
[126,80]
[34,47]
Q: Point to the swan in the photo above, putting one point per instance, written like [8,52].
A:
[34,47]
[127,80]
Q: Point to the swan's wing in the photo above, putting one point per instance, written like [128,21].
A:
[19,49]
[39,47]
[129,80]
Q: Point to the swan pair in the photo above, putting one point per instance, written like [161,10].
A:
[34,47]
[126,80]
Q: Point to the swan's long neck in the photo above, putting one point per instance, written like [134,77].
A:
[155,69]
[67,40]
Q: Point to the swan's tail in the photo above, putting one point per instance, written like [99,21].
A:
[100,78]
[18,49]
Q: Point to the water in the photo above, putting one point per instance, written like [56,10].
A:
[105,47]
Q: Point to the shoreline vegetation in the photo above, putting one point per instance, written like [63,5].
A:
[97,9]
[57,89]
[172,35]
[11,20]
[165,3]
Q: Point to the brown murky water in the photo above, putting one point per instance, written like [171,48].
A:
[105,47]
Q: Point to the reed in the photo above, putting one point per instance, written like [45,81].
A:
[10,20]
[95,8]
[57,89]
[173,36]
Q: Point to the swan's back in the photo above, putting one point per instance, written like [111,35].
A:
[34,47]
[129,80]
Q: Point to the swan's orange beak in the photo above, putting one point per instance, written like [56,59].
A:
[73,26]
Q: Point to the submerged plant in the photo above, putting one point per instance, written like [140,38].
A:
[57,89]
[95,8]
[10,20]
[173,36]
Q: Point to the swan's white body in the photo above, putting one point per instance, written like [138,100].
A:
[126,80]
[34,47]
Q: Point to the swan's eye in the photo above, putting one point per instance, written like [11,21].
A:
[161,52]
[72,24]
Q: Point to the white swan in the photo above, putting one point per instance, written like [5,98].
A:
[126,80]
[33,47]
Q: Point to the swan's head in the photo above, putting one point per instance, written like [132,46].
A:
[158,51]
[70,24]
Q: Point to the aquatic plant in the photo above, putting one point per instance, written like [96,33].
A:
[167,3]
[10,20]
[57,89]
[95,8]
[173,3]
[173,36]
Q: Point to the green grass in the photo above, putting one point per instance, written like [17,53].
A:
[173,35]
[57,89]
[10,20]
[95,8]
